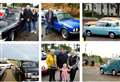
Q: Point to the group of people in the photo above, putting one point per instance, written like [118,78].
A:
[29,16]
[67,65]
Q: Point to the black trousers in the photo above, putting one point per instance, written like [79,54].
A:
[52,74]
[72,74]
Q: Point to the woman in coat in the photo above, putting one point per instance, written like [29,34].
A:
[52,66]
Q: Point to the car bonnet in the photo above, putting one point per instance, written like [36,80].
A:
[71,22]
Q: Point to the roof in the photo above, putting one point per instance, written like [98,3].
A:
[91,22]
[109,19]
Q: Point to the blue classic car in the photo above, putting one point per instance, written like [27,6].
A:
[104,27]
[65,24]
[112,67]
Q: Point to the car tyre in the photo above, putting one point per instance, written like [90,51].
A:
[102,71]
[88,33]
[65,34]
[114,72]
[112,35]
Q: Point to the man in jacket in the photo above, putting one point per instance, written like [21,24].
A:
[61,59]
[28,18]
[49,20]
[73,62]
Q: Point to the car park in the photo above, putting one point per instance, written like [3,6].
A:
[105,27]
[10,25]
[112,67]
[27,70]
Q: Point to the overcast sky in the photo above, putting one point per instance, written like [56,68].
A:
[103,49]
[20,51]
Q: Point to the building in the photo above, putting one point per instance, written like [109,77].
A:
[104,9]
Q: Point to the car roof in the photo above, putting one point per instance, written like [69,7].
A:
[109,19]
[91,22]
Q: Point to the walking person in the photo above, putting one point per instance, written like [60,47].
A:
[49,20]
[52,66]
[34,20]
[28,18]
[61,59]
[73,61]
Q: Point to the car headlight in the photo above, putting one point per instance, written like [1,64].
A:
[75,29]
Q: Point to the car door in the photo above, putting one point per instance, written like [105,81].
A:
[103,28]
[56,23]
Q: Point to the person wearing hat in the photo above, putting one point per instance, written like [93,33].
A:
[73,61]
[51,62]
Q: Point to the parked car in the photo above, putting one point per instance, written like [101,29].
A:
[10,25]
[109,28]
[112,67]
[44,67]
[2,72]
[27,71]
[65,24]
[5,64]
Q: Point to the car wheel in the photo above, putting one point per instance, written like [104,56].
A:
[101,71]
[114,72]
[88,33]
[112,35]
[64,33]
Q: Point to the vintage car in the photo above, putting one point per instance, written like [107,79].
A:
[27,70]
[5,64]
[65,24]
[10,25]
[2,72]
[106,27]
[112,67]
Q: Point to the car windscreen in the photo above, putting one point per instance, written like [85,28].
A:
[63,16]
[12,16]
[111,61]
[29,64]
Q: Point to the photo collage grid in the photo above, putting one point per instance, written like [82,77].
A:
[59,41]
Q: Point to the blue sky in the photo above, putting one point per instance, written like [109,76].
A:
[19,51]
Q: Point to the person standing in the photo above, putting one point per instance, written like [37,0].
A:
[22,18]
[61,59]
[28,18]
[52,66]
[73,62]
[49,20]
[34,20]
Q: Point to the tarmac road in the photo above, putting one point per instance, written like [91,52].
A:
[93,74]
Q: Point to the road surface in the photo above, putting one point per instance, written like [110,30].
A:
[26,36]
[9,76]
[93,74]
[101,38]
[46,78]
